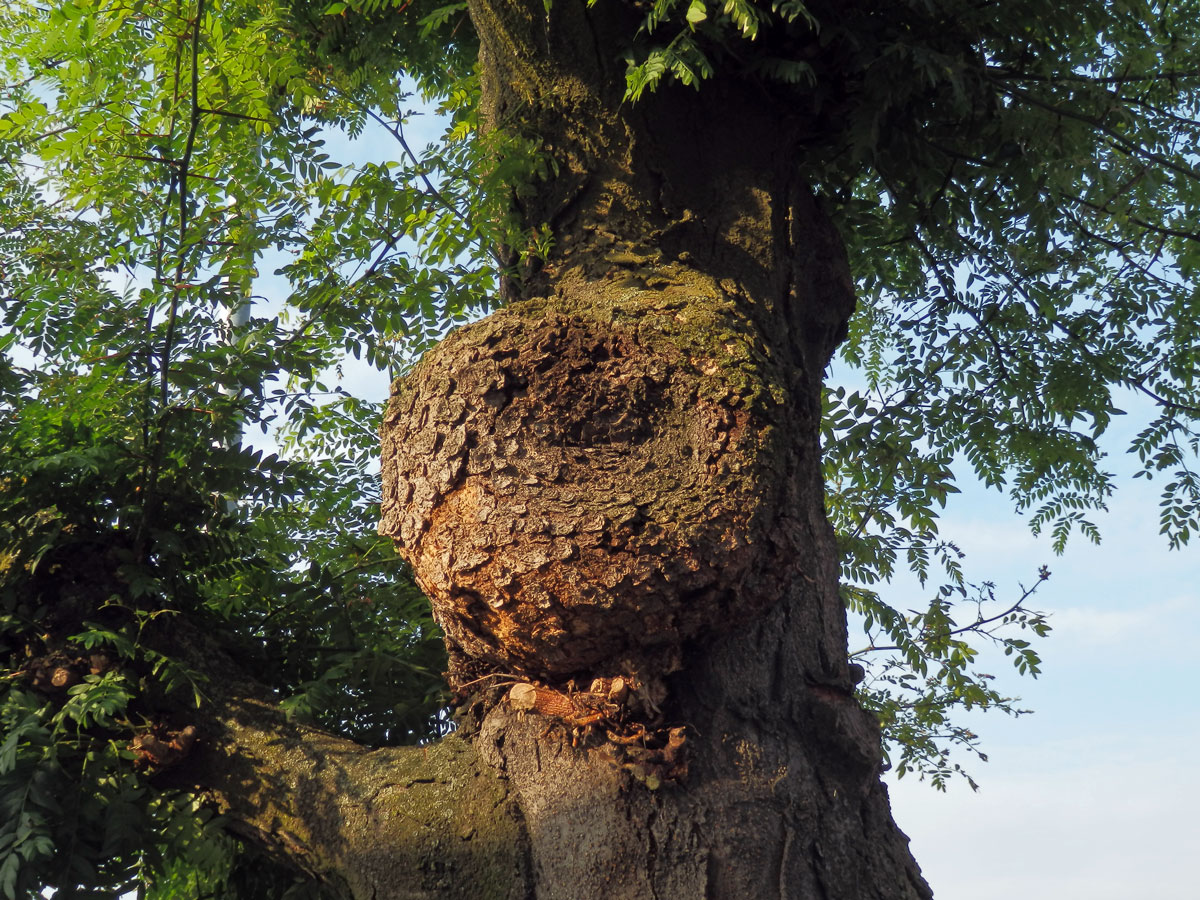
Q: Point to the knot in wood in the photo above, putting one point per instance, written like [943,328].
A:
[571,493]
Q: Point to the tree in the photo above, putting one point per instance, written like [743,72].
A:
[628,493]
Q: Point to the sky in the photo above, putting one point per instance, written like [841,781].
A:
[1094,795]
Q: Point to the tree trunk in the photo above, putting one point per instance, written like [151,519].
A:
[611,491]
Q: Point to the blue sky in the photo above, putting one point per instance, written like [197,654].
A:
[1094,795]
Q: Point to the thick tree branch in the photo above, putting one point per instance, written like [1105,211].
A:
[379,823]
[385,823]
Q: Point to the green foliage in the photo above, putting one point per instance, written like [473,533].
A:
[352,44]
[135,210]
[923,669]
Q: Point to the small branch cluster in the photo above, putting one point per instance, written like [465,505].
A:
[608,716]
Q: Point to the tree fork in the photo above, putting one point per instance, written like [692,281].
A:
[618,475]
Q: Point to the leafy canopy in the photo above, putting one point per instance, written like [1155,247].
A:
[1017,183]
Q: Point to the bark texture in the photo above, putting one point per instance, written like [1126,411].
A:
[399,822]
[619,475]
[583,483]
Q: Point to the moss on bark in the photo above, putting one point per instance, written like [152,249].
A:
[386,823]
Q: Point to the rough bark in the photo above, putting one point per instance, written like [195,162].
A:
[619,475]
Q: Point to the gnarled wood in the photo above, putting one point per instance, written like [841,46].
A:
[584,483]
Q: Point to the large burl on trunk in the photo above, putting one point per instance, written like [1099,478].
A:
[585,481]
[617,476]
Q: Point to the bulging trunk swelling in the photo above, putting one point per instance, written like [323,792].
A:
[586,481]
[618,476]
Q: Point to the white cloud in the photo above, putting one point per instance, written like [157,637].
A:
[1087,820]
[1093,627]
